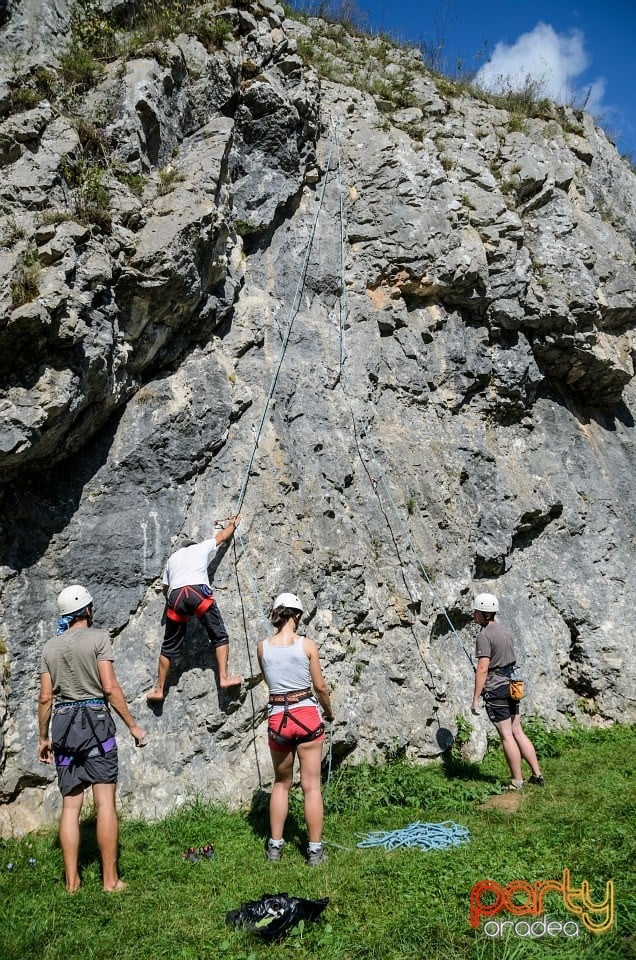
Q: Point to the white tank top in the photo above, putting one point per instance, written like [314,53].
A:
[286,669]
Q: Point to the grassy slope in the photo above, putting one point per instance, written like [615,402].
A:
[382,905]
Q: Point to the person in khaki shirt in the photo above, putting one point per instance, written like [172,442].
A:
[78,685]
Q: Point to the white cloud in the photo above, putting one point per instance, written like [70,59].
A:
[553,60]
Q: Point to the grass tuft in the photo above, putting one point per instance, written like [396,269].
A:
[25,281]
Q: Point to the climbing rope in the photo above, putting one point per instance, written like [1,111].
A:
[362,424]
[329,760]
[249,657]
[361,428]
[295,306]
[257,432]
[292,316]
[422,836]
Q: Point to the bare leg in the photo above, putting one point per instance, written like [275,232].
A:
[526,747]
[510,748]
[70,837]
[310,756]
[222,656]
[156,695]
[279,801]
[107,834]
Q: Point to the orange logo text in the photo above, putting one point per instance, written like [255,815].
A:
[488,898]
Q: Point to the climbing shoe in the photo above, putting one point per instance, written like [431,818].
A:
[194,854]
[316,857]
[274,851]
[538,781]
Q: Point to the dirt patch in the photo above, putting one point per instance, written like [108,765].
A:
[508,802]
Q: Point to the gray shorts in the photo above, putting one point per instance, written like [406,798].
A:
[83,735]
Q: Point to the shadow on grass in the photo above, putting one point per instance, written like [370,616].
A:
[258,819]
[456,768]
[88,853]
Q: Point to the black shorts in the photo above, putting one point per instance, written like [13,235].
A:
[83,736]
[184,603]
[500,708]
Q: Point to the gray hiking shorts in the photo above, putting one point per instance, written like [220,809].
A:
[83,735]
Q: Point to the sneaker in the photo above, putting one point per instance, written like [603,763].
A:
[512,786]
[274,851]
[316,857]
[538,781]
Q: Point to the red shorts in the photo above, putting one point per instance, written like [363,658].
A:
[296,725]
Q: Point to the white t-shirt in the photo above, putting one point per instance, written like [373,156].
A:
[189,565]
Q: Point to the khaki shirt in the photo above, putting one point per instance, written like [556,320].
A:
[71,659]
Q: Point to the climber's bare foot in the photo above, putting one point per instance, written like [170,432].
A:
[119,886]
[155,695]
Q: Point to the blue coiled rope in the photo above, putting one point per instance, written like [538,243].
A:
[422,836]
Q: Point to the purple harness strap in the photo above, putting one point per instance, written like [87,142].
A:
[62,761]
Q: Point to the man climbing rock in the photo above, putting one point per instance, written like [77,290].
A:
[77,673]
[186,585]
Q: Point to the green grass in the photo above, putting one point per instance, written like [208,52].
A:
[25,281]
[403,904]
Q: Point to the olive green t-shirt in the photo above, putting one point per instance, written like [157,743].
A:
[72,658]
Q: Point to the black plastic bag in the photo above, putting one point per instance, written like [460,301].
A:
[274,914]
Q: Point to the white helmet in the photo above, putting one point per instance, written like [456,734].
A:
[289,600]
[72,599]
[486,602]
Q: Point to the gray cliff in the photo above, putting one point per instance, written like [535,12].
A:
[436,299]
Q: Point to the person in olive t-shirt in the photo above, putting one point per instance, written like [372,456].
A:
[77,686]
[496,660]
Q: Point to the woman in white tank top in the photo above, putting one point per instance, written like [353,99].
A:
[291,668]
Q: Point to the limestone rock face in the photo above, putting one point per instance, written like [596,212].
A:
[399,332]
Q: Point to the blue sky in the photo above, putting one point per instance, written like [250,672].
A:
[579,48]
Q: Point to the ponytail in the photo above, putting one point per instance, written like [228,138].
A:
[280,616]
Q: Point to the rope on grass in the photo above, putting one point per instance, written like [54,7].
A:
[422,836]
